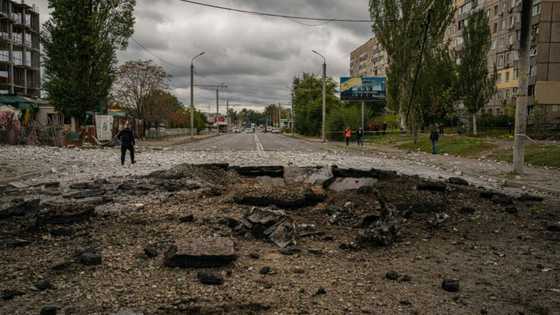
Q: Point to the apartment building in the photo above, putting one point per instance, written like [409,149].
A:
[19,49]
[369,59]
[505,27]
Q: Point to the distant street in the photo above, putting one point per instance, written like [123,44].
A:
[253,142]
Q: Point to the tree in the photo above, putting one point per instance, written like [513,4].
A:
[406,29]
[181,118]
[80,41]
[307,101]
[437,87]
[476,85]
[159,106]
[136,82]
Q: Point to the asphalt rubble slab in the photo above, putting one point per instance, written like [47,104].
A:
[273,239]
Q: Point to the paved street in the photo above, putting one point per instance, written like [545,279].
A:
[252,142]
[60,164]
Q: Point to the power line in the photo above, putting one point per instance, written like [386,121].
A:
[156,56]
[290,17]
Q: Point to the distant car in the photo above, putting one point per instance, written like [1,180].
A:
[236,130]
[249,130]
[276,130]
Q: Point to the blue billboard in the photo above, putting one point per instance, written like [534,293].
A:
[362,88]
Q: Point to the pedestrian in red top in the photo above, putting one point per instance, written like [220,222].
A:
[347,135]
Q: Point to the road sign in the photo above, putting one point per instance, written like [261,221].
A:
[362,89]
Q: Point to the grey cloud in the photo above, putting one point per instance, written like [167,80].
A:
[256,56]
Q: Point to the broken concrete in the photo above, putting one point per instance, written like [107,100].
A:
[360,173]
[281,198]
[65,213]
[18,208]
[259,171]
[202,253]
[349,184]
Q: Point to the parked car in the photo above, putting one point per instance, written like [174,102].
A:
[236,130]
[276,130]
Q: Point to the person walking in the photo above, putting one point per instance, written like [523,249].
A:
[347,135]
[434,137]
[360,136]
[126,136]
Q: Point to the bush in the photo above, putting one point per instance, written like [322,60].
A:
[342,117]
[489,121]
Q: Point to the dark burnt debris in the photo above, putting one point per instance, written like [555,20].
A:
[206,220]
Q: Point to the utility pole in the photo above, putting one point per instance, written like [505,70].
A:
[363,115]
[324,118]
[217,87]
[293,121]
[192,93]
[523,94]
[217,102]
[227,116]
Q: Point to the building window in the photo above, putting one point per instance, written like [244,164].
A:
[507,76]
[493,44]
[495,10]
[499,78]
[495,28]
[536,9]
[500,61]
[532,70]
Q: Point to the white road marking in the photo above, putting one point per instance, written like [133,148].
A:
[260,148]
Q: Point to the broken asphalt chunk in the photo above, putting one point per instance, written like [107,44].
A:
[259,171]
[458,181]
[450,285]
[210,278]
[202,253]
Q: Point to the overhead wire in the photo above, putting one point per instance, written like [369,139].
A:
[155,56]
[291,17]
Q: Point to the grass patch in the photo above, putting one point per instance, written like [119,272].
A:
[388,139]
[535,154]
[455,145]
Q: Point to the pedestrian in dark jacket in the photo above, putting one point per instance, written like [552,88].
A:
[434,137]
[126,136]
[359,136]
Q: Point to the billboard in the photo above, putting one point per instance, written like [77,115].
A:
[362,88]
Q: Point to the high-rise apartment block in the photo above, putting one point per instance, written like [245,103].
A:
[369,59]
[505,26]
[19,49]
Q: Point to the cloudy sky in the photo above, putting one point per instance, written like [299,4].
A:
[256,56]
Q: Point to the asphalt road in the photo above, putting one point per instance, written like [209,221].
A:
[238,142]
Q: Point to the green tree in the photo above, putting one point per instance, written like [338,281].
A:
[437,87]
[80,41]
[476,84]
[159,106]
[406,29]
[343,116]
[307,101]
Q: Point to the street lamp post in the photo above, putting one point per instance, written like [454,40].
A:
[192,92]
[323,130]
